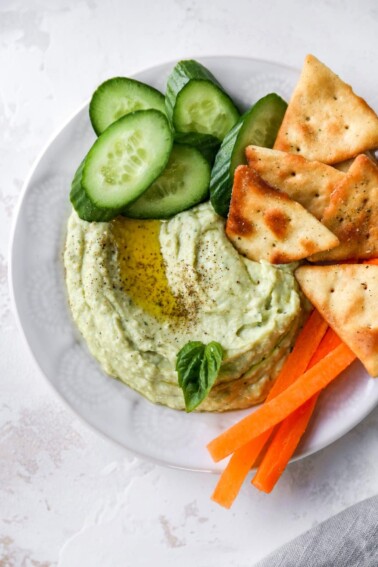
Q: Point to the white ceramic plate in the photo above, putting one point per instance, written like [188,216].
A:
[157,433]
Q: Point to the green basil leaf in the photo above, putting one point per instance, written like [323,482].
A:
[197,367]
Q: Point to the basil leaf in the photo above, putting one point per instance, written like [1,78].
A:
[197,367]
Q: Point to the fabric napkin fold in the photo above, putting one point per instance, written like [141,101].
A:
[349,539]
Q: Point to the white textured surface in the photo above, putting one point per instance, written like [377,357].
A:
[68,497]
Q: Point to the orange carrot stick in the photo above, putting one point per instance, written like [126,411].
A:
[329,342]
[305,346]
[243,459]
[277,409]
[234,474]
[282,446]
[290,431]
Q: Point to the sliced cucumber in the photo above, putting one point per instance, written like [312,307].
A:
[258,126]
[83,206]
[183,184]
[119,96]
[196,102]
[206,144]
[127,157]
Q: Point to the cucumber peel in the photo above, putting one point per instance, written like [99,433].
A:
[196,102]
[83,205]
[258,126]
[119,96]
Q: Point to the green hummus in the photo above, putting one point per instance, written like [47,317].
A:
[140,290]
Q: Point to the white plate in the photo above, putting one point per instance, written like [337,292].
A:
[157,433]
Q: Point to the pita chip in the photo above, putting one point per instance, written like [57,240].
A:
[352,214]
[325,120]
[346,296]
[308,182]
[265,224]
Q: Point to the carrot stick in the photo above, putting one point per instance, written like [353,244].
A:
[373,262]
[282,446]
[234,474]
[243,459]
[277,409]
[330,341]
[305,346]
[290,431]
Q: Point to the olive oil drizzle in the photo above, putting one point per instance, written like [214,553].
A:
[142,268]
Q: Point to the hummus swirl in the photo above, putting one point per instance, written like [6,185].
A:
[139,290]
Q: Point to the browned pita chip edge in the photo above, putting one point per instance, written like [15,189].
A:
[265,224]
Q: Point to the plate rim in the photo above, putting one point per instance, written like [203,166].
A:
[57,395]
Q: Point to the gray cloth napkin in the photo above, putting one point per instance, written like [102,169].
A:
[349,539]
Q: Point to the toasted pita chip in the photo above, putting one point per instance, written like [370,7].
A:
[352,214]
[346,296]
[308,182]
[325,119]
[265,224]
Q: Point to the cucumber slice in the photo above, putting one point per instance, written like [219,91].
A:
[119,96]
[183,184]
[196,102]
[126,159]
[83,206]
[258,126]
[206,144]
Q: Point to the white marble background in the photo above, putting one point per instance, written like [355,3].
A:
[68,497]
